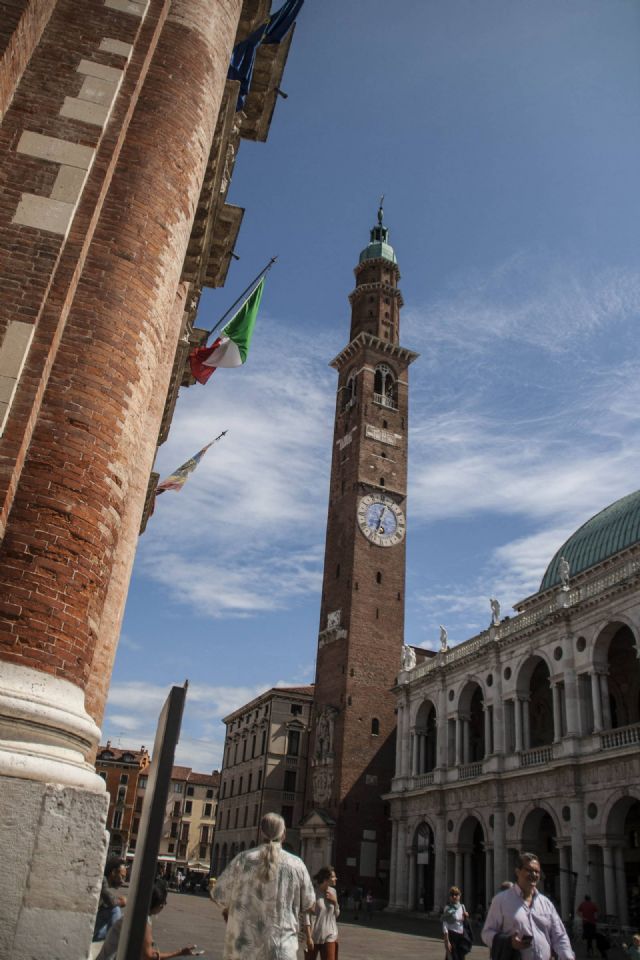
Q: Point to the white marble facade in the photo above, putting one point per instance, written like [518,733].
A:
[527,737]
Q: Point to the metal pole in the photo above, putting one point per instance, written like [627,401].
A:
[242,295]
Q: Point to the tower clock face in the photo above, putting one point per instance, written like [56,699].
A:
[381,520]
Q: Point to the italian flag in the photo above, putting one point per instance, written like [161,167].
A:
[232,346]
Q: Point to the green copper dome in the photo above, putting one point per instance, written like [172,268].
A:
[609,532]
[379,246]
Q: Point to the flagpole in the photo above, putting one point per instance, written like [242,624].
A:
[242,295]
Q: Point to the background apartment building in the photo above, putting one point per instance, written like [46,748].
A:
[190,820]
[122,771]
[264,769]
[190,814]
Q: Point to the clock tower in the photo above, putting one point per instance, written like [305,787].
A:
[362,610]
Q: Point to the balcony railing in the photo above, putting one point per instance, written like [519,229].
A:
[620,737]
[291,763]
[423,780]
[288,796]
[467,771]
[532,758]
[385,401]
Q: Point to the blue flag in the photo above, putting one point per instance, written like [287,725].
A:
[282,21]
[273,30]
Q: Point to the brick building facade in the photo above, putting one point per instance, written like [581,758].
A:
[362,608]
[122,772]
[118,138]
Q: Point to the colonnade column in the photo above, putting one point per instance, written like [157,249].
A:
[459,867]
[411,885]
[499,848]
[422,753]
[464,752]
[597,706]
[604,700]
[440,872]
[557,712]
[467,881]
[399,739]
[415,757]
[518,721]
[487,730]
[578,858]
[571,701]
[489,888]
[402,866]
[526,724]
[394,862]
[441,742]
[621,885]
[405,745]
[610,894]
[566,907]
[458,740]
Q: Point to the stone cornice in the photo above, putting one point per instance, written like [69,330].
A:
[556,605]
[386,288]
[364,340]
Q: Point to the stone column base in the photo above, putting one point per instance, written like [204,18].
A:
[54,844]
[53,809]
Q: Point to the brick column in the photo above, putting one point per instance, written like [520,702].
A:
[101,234]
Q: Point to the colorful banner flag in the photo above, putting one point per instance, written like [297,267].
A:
[232,346]
[179,477]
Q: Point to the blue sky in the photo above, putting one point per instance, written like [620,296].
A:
[506,138]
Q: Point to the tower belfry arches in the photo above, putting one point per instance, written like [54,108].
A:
[361,631]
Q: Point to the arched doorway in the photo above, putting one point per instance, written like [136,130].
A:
[624,679]
[471,716]
[471,864]
[539,836]
[424,844]
[535,703]
[622,880]
[427,732]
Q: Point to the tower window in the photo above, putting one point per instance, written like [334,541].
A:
[384,424]
[377,613]
[338,571]
[378,577]
[375,727]
[382,481]
[384,387]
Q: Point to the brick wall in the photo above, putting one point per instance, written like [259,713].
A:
[75,456]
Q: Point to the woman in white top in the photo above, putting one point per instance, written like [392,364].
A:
[324,930]
[453,918]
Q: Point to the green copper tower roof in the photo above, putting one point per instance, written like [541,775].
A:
[378,246]
[609,532]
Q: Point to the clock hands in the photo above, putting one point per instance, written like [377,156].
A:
[382,513]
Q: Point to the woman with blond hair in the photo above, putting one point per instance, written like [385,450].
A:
[453,918]
[262,893]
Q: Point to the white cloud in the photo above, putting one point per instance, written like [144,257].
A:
[134,706]
[528,300]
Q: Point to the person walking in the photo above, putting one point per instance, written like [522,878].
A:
[589,913]
[324,922]
[262,893]
[453,917]
[525,919]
